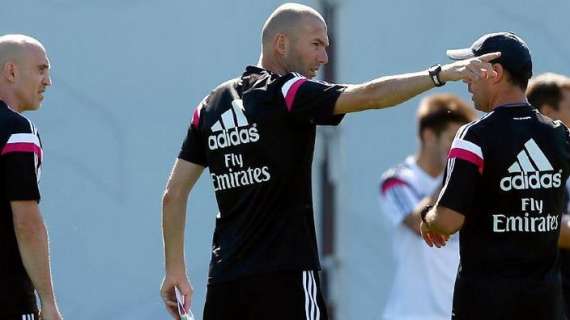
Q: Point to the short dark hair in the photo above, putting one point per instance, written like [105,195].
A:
[517,79]
[436,112]
[546,89]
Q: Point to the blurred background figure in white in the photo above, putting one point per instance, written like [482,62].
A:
[423,277]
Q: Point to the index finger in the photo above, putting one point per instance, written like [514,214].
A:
[489,56]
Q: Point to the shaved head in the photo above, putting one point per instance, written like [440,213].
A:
[294,39]
[286,19]
[24,72]
[13,47]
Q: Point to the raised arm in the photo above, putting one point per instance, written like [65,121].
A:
[392,90]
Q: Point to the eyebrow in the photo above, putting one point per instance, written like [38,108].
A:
[320,41]
[43,66]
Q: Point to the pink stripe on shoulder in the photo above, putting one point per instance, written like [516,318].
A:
[290,98]
[196,116]
[467,156]
[22,147]
[391,183]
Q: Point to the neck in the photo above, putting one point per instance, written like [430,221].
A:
[429,163]
[10,99]
[508,96]
[267,63]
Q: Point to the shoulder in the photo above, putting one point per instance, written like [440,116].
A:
[475,131]
[397,176]
[12,122]
[221,90]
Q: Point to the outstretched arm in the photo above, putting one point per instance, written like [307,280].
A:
[392,90]
[182,179]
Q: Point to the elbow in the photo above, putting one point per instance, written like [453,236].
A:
[172,196]
[26,228]
[167,197]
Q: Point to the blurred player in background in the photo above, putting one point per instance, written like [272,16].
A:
[256,135]
[550,94]
[25,266]
[424,278]
[504,189]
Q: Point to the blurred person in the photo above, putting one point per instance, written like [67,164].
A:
[423,281]
[256,135]
[25,267]
[550,94]
[504,191]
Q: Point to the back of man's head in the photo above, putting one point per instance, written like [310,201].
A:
[284,20]
[547,90]
[436,112]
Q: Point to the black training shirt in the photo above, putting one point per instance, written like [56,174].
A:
[256,134]
[506,173]
[20,160]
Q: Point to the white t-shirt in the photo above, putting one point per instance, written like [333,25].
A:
[424,279]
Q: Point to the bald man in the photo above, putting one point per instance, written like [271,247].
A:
[25,267]
[256,135]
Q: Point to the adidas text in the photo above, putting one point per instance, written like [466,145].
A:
[535,180]
[233,137]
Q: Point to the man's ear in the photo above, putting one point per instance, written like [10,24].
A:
[498,68]
[9,71]
[281,44]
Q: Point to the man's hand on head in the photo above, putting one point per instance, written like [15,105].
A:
[471,69]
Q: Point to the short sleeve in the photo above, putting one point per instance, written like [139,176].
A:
[20,161]
[311,100]
[464,170]
[193,148]
[397,199]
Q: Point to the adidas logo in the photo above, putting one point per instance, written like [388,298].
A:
[531,170]
[232,129]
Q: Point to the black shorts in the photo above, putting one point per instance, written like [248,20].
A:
[499,300]
[290,295]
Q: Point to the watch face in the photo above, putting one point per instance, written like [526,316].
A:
[435,69]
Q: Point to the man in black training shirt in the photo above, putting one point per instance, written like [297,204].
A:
[256,135]
[504,189]
[24,76]
[550,94]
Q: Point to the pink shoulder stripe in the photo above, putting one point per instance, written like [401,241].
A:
[22,147]
[196,116]
[289,90]
[468,156]
[391,183]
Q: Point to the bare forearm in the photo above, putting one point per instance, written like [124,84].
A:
[392,90]
[414,219]
[34,250]
[183,177]
[444,221]
[383,92]
[173,223]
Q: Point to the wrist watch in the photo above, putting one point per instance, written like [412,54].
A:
[424,212]
[433,72]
